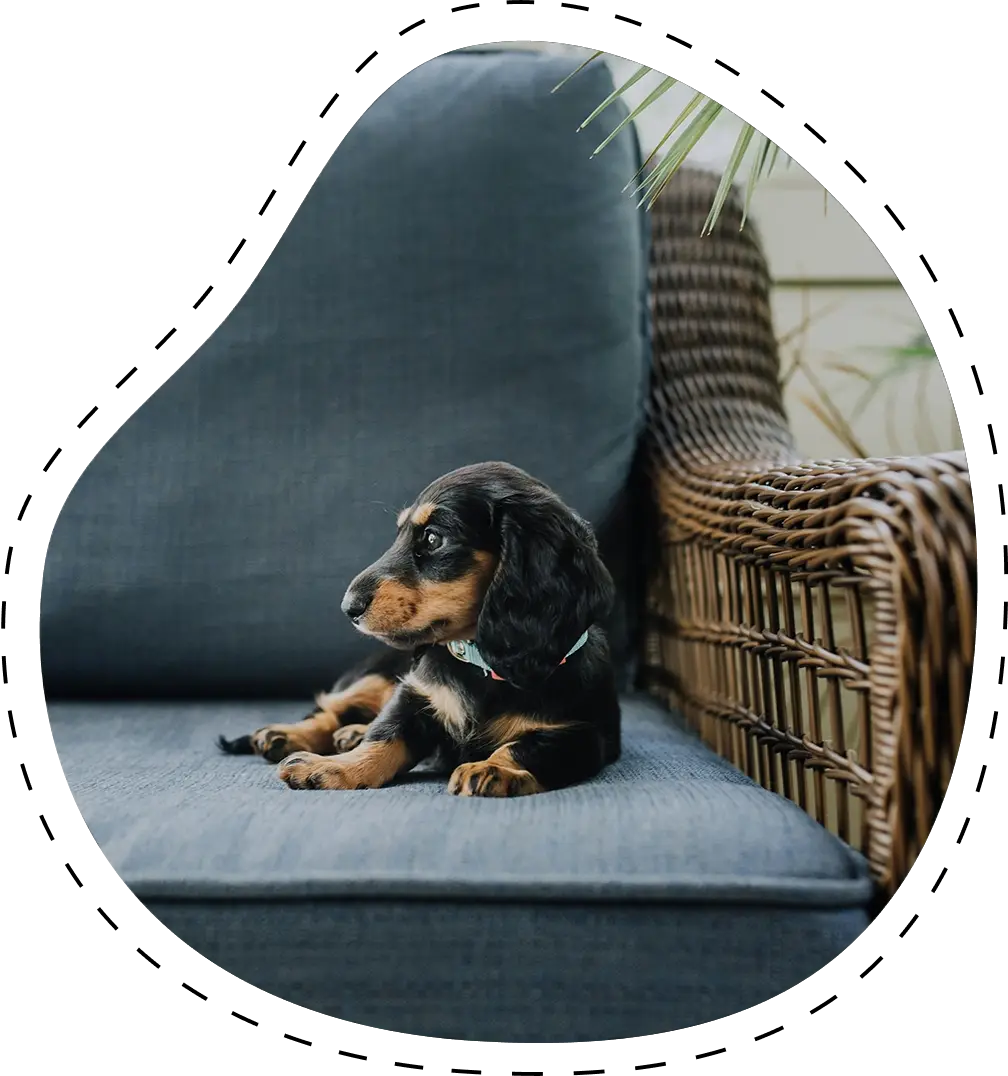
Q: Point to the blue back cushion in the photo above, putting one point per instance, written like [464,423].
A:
[460,284]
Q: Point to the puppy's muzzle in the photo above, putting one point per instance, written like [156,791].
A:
[357,600]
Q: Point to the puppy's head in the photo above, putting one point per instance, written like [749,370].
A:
[487,553]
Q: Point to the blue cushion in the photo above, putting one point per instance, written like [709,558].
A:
[460,284]
[669,890]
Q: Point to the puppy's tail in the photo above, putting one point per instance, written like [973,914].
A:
[241,746]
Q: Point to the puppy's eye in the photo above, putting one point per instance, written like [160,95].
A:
[430,540]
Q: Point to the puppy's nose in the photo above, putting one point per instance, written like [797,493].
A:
[355,604]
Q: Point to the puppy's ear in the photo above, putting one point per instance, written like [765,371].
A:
[549,586]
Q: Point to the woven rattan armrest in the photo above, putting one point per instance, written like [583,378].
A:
[813,621]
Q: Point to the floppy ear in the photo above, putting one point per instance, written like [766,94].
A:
[549,586]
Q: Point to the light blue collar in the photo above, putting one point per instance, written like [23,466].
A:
[469,653]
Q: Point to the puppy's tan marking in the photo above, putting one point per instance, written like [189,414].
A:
[447,705]
[423,513]
[371,765]
[369,693]
[402,517]
[315,733]
[507,729]
[453,605]
[458,602]
[497,776]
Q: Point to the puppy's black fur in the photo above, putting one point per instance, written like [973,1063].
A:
[485,554]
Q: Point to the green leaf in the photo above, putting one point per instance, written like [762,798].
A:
[683,115]
[908,353]
[773,158]
[617,94]
[755,172]
[668,160]
[576,71]
[728,177]
[663,87]
[681,150]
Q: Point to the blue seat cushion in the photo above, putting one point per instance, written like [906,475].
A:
[460,284]
[668,891]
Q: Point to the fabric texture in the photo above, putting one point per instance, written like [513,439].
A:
[517,972]
[176,817]
[668,890]
[459,285]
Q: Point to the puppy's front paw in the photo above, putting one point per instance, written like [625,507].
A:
[305,770]
[347,738]
[491,779]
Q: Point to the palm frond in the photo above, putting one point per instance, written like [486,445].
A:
[690,107]
[919,348]
[728,176]
[759,161]
[701,112]
[577,71]
[664,86]
[774,150]
[617,94]
[678,152]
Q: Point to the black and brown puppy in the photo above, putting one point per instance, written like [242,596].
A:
[491,596]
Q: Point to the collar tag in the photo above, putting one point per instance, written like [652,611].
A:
[467,651]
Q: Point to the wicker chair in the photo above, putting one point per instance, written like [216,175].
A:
[814,621]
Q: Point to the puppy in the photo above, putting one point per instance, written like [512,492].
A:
[491,599]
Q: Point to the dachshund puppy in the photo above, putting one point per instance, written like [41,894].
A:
[490,599]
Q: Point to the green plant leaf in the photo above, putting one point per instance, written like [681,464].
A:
[577,71]
[681,149]
[678,152]
[650,184]
[617,94]
[669,159]
[728,176]
[755,171]
[690,107]
[775,149]
[907,354]
[664,86]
